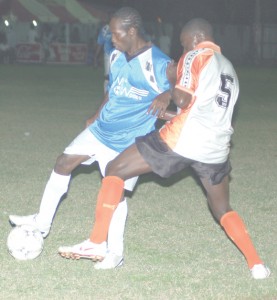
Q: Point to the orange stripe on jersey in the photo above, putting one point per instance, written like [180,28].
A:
[189,69]
[171,130]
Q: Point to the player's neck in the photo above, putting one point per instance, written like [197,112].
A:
[138,48]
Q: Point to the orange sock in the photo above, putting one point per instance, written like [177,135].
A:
[108,198]
[236,230]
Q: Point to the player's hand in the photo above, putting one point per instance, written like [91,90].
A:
[171,73]
[160,104]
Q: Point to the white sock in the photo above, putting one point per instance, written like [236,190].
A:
[56,187]
[117,228]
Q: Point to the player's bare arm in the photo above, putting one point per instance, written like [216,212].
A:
[95,116]
[168,115]
[160,104]
[181,98]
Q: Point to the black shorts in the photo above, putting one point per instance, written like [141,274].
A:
[165,162]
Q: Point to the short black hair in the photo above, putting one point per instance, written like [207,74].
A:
[130,18]
[199,25]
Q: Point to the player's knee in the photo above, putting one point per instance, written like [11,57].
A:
[114,169]
[218,213]
[62,165]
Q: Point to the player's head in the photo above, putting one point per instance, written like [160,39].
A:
[194,32]
[126,27]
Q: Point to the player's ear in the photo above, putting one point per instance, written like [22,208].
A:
[195,40]
[132,31]
[200,37]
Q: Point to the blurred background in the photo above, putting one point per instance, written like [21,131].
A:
[67,29]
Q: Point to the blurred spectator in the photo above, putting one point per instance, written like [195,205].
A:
[46,40]
[6,52]
[12,42]
[61,34]
[33,36]
[91,49]
[75,35]
[164,41]
[104,42]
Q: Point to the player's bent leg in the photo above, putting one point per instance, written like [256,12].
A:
[235,229]
[128,164]
[112,190]
[66,163]
[56,187]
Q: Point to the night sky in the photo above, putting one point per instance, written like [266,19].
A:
[215,11]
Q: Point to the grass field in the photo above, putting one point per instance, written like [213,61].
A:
[173,247]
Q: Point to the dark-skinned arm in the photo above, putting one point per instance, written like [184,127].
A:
[181,98]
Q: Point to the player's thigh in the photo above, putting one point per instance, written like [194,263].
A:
[80,151]
[66,163]
[128,164]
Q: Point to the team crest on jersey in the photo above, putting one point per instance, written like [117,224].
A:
[123,88]
[149,68]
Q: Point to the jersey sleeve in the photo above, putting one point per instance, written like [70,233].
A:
[162,79]
[189,69]
[160,65]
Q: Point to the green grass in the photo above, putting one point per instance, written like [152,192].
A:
[173,247]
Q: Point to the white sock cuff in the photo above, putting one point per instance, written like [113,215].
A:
[58,177]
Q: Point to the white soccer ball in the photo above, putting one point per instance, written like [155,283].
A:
[25,242]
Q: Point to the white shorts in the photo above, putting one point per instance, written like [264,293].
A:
[87,144]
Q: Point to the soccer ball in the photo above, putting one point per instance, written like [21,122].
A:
[25,242]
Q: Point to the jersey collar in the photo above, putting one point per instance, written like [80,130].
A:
[210,45]
[143,49]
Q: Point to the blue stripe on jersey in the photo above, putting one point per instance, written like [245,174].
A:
[134,85]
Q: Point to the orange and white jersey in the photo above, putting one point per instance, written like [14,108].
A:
[202,132]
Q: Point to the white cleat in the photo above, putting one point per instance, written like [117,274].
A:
[86,249]
[29,220]
[111,261]
[260,271]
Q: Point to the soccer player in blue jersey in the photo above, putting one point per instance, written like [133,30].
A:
[138,95]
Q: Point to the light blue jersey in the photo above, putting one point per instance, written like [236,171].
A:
[134,85]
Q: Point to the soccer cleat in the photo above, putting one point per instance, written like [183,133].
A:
[86,249]
[29,220]
[260,271]
[111,261]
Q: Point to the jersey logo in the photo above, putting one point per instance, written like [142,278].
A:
[224,94]
[122,88]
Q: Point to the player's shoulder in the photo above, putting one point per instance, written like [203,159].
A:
[158,55]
